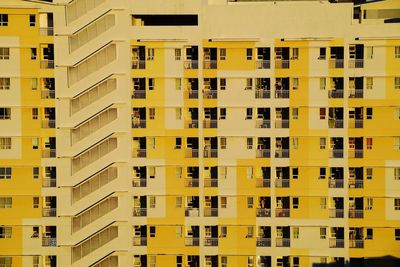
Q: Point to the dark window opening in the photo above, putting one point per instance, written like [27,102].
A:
[166,20]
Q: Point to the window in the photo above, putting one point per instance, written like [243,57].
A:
[396,173]
[35,172]
[34,83]
[295,113]
[295,142]
[152,260]
[295,231]
[152,202]
[249,53]
[397,51]
[35,232]
[322,233]
[6,261]
[35,202]
[152,113]
[369,52]
[178,143]
[178,83]
[295,83]
[33,53]
[178,54]
[224,231]
[249,172]
[223,142]
[5,142]
[397,114]
[295,202]
[35,261]
[152,172]
[370,82]
[222,53]
[322,113]
[4,83]
[3,19]
[178,231]
[250,202]
[222,113]
[396,82]
[150,53]
[5,232]
[322,53]
[396,142]
[249,142]
[222,84]
[4,53]
[397,204]
[322,203]
[178,202]
[322,83]
[369,203]
[249,84]
[5,113]
[369,113]
[223,202]
[5,172]
[32,20]
[249,113]
[370,233]
[397,234]
[151,83]
[178,113]
[322,143]
[224,261]
[369,173]
[250,232]
[152,231]
[322,173]
[35,113]
[295,173]
[35,142]
[5,202]
[369,142]
[295,53]
[178,171]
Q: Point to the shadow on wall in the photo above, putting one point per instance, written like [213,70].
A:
[385,261]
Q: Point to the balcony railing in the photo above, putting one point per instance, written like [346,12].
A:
[281,93]
[210,123]
[356,123]
[211,182]
[210,94]
[191,64]
[139,212]
[262,93]
[139,241]
[336,213]
[46,31]
[335,183]
[262,123]
[139,94]
[192,94]
[48,94]
[282,242]
[282,63]
[335,123]
[138,64]
[354,183]
[49,182]
[210,212]
[48,124]
[192,241]
[263,242]
[191,153]
[49,153]
[192,212]
[282,183]
[263,153]
[263,64]
[263,212]
[192,124]
[356,243]
[190,182]
[210,153]
[282,153]
[260,182]
[139,182]
[49,212]
[356,153]
[356,93]
[336,93]
[336,153]
[356,63]
[139,152]
[210,241]
[281,123]
[336,63]
[138,123]
[49,241]
[209,64]
[353,213]
[336,243]
[280,212]
[47,64]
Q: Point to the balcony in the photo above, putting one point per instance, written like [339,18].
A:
[356,243]
[262,94]
[336,63]
[191,124]
[138,123]
[210,124]
[282,183]
[279,212]
[191,153]
[282,153]
[210,241]
[192,212]
[282,242]
[139,212]
[263,242]
[336,243]
[336,153]
[49,241]
[356,93]
[139,182]
[48,124]
[47,64]
[49,212]
[191,94]
[191,64]
[281,123]
[263,212]
[282,64]
[263,183]
[335,123]
[261,123]
[263,64]
[356,153]
[48,94]
[210,212]
[49,182]
[210,182]
[356,123]
[139,152]
[336,93]
[210,94]
[353,183]
[139,94]
[281,93]
[209,64]
[263,153]
[335,183]
[46,31]
[356,63]
[49,153]
[138,64]
[139,241]
[356,214]
[210,153]
[336,213]
[190,182]
[192,241]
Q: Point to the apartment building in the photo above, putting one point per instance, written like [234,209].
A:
[194,133]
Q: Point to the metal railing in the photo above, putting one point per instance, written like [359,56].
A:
[210,212]
[209,64]
[262,123]
[262,93]
[282,63]
[282,242]
[356,243]
[356,153]
[281,123]
[335,183]
[139,94]
[356,63]
[192,124]
[192,212]
[263,242]
[210,94]
[336,93]
[47,64]
[190,182]
[138,123]
[192,241]
[139,241]
[139,212]
[139,182]
[263,64]
[210,123]
[191,64]
[49,212]
[263,212]
[335,123]
[282,183]
[192,94]
[354,213]
[49,182]
[336,213]
[49,241]
[336,243]
[280,212]
[263,153]
[356,93]
[210,241]
[46,31]
[260,182]
[356,123]
[48,124]
[211,182]
[139,153]
[138,64]
[336,153]
[336,63]
[49,153]
[282,153]
[191,153]
[356,183]
[281,93]
[210,153]
[48,94]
